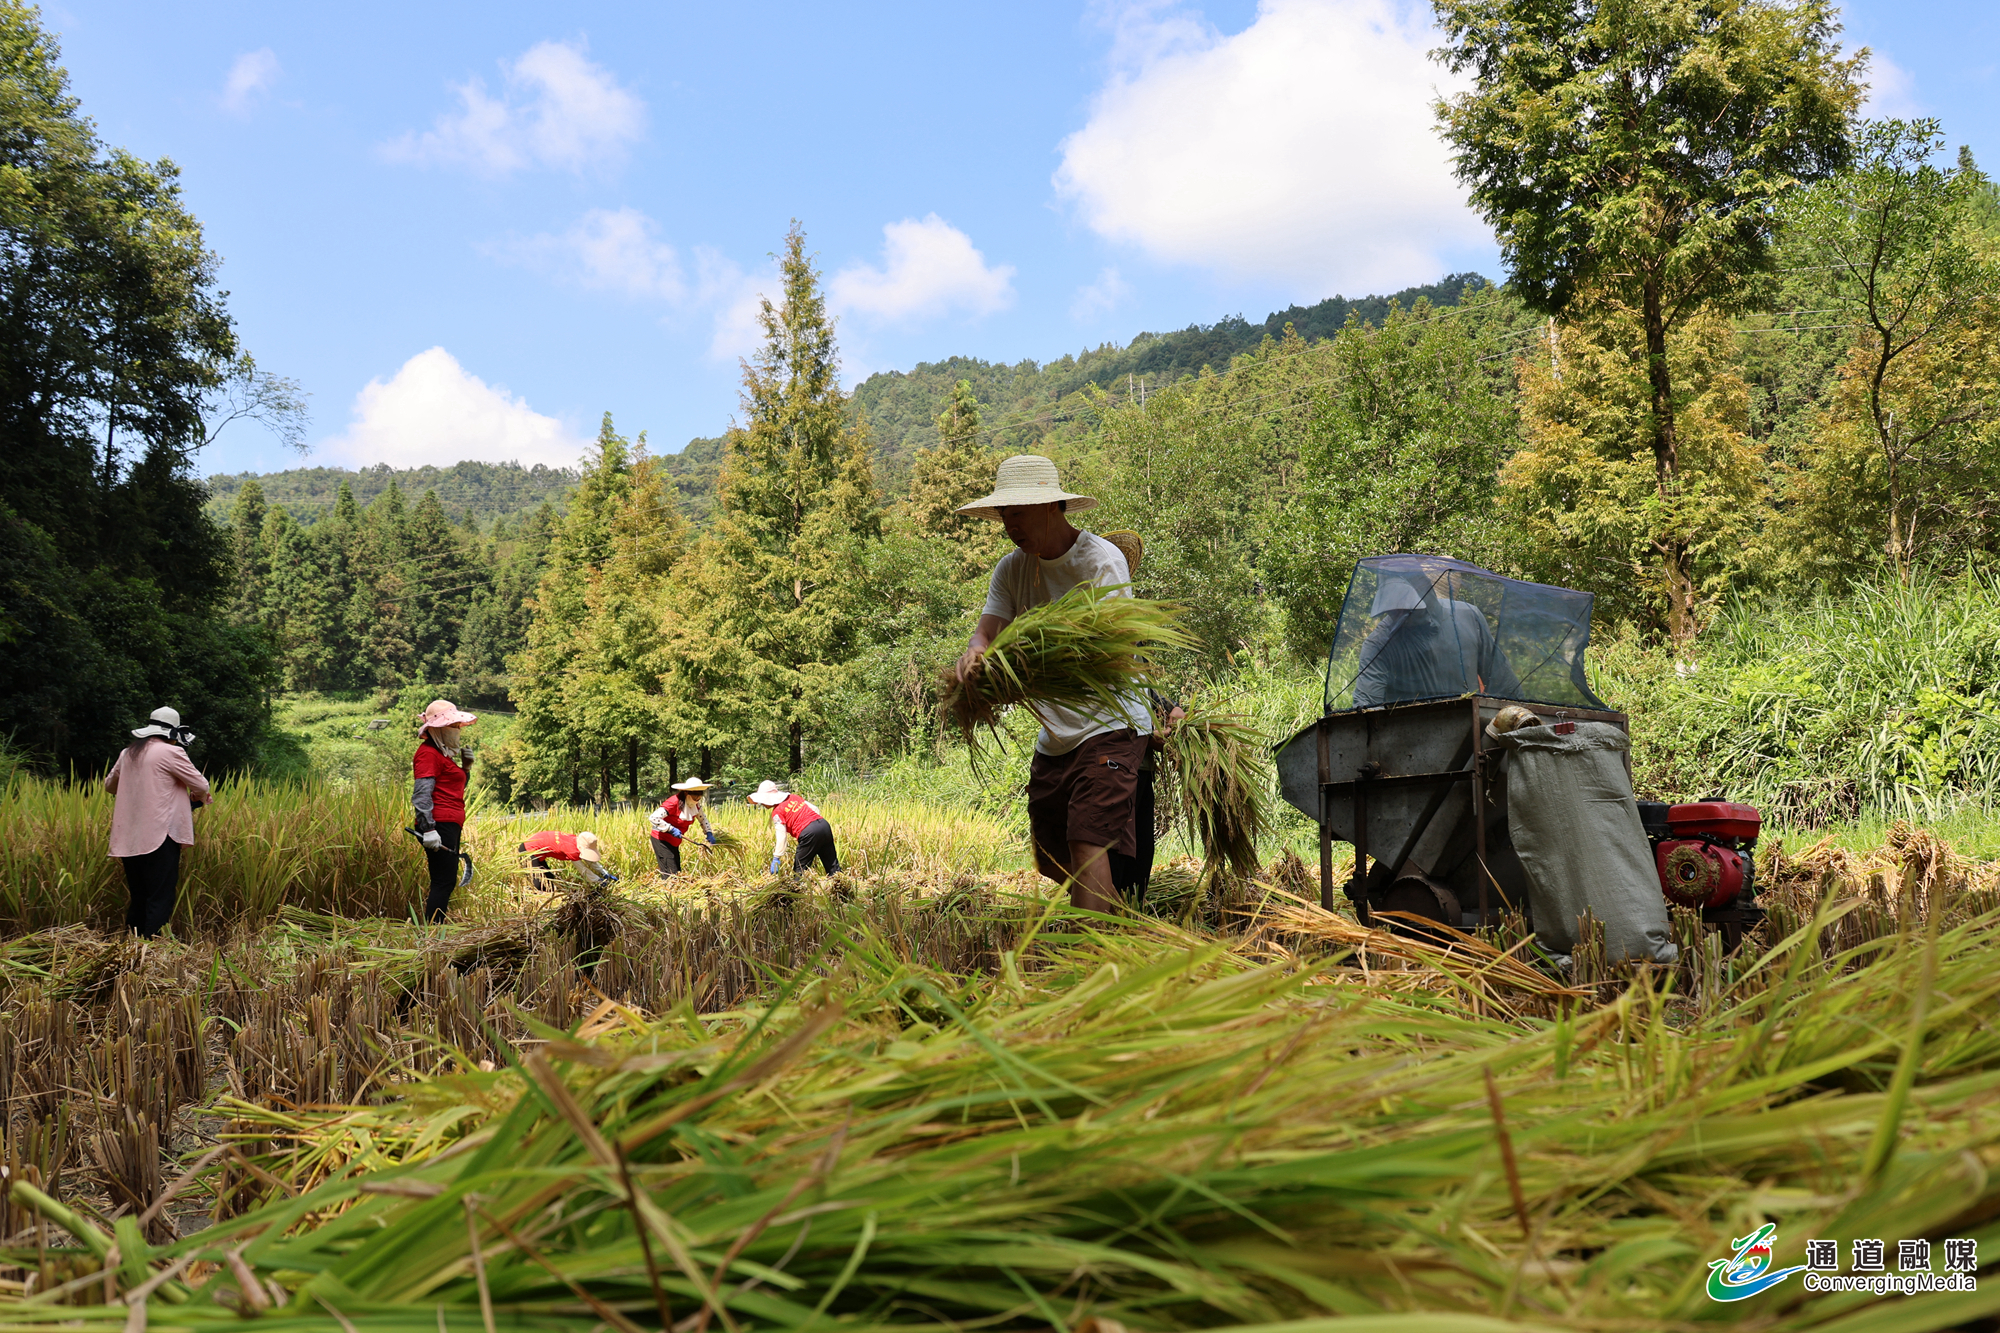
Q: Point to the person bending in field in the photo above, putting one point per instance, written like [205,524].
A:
[1085,772]
[794,816]
[581,848]
[670,824]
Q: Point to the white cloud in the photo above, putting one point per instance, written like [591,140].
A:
[555,109]
[434,411]
[1302,149]
[1100,297]
[1892,91]
[615,250]
[254,74]
[621,251]
[929,267]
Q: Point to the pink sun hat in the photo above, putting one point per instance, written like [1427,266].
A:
[443,713]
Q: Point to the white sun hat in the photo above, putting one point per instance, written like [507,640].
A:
[1025,479]
[692,784]
[767,793]
[165,721]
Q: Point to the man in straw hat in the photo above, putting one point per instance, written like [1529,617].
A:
[794,816]
[670,824]
[1086,769]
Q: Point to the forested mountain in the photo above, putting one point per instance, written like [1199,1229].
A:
[1028,401]
[486,491]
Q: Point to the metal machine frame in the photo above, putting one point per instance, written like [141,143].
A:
[1383,772]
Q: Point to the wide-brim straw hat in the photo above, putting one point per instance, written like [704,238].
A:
[586,847]
[1025,479]
[1129,545]
[692,784]
[443,713]
[767,793]
[164,722]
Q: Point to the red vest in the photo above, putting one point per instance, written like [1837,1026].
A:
[555,846]
[448,796]
[795,812]
[671,807]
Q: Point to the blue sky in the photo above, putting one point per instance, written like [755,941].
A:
[468,230]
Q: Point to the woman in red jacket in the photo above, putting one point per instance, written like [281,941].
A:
[438,796]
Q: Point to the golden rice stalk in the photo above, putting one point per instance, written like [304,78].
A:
[1085,651]
[1220,773]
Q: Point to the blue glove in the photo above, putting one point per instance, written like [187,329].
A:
[774,865]
[711,840]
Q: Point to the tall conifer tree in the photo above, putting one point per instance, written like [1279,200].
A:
[797,509]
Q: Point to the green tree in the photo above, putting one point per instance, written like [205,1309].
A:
[958,469]
[1398,433]
[552,750]
[250,564]
[796,503]
[1909,447]
[113,337]
[1631,154]
[1579,496]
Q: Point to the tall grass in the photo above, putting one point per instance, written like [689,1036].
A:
[1883,701]
[258,846]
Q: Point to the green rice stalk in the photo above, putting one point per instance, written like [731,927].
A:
[1221,781]
[1086,651]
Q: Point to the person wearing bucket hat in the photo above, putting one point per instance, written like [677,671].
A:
[670,824]
[437,794]
[1084,777]
[155,788]
[794,816]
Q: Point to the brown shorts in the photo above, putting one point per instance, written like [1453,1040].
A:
[1084,796]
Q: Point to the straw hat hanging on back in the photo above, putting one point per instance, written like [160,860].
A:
[1025,479]
[1129,545]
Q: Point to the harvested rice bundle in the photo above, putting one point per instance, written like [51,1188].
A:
[1080,652]
[1220,774]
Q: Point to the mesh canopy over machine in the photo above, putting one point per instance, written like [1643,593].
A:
[1417,627]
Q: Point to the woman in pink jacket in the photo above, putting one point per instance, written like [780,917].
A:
[156,788]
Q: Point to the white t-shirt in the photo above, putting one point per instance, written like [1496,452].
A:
[1022,580]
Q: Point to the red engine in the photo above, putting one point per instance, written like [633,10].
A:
[1704,850]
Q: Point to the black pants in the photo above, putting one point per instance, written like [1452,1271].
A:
[1131,874]
[816,844]
[541,865]
[667,856]
[152,880]
[444,872]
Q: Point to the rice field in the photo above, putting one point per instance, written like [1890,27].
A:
[927,1094]
[261,847]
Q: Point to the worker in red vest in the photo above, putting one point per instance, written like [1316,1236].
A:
[437,795]
[794,816]
[670,824]
[581,848]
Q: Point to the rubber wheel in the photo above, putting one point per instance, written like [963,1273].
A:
[1420,896]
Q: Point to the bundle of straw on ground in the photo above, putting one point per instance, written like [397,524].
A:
[1220,780]
[1087,651]
[1145,1128]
